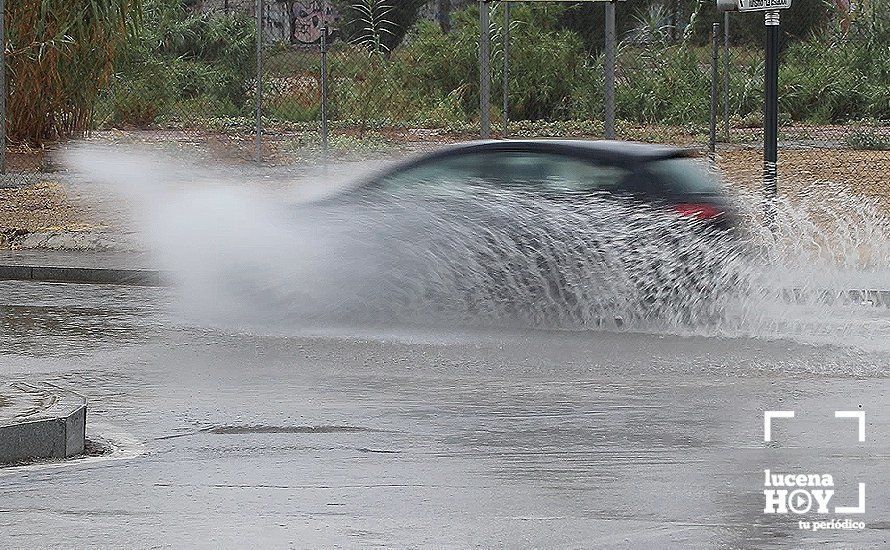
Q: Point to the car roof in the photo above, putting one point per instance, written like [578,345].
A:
[620,152]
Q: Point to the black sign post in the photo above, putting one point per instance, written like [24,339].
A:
[770,9]
[771,104]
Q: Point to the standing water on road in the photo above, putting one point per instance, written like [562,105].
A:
[468,254]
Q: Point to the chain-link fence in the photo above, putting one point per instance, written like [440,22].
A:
[834,89]
[834,95]
[339,77]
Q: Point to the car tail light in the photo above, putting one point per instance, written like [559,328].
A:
[701,211]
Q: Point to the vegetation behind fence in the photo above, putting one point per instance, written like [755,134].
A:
[409,71]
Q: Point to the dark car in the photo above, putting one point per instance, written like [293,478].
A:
[437,229]
[656,175]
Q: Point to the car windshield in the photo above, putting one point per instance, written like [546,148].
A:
[683,176]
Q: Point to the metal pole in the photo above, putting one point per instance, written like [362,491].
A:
[609,71]
[506,36]
[485,70]
[771,104]
[712,135]
[258,153]
[726,76]
[2,89]
[324,88]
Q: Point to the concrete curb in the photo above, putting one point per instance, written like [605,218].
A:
[84,275]
[876,298]
[41,421]
[154,278]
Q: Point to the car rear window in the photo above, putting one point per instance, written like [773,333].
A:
[684,176]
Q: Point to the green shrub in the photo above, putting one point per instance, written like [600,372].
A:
[434,76]
[869,138]
[185,64]
[746,86]
[133,109]
[198,108]
[137,100]
[295,99]
[434,66]
[180,60]
[549,72]
[673,87]
[835,82]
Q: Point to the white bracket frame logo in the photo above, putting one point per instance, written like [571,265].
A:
[772,494]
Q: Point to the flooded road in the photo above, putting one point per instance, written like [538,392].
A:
[415,437]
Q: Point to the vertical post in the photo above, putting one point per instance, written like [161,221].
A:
[726,70]
[771,104]
[324,88]
[712,135]
[444,16]
[485,69]
[609,71]
[2,89]
[258,153]
[675,19]
[506,36]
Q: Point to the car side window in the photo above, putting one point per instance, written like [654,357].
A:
[526,170]
[556,173]
[435,176]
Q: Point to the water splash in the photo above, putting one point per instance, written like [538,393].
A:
[822,274]
[468,254]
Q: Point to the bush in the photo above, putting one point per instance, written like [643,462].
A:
[870,139]
[435,66]
[181,60]
[834,82]
[673,87]
[551,75]
[184,64]
[433,77]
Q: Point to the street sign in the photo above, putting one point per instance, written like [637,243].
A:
[764,5]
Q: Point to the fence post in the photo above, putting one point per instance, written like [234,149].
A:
[2,89]
[506,33]
[712,135]
[484,70]
[609,71]
[324,88]
[258,153]
[726,76]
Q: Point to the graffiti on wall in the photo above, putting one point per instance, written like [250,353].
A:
[308,19]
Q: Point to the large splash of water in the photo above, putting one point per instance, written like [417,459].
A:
[469,254]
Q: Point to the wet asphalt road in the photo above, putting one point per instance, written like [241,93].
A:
[429,438]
